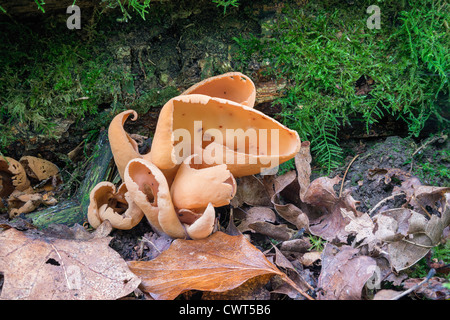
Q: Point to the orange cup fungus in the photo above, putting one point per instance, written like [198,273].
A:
[204,139]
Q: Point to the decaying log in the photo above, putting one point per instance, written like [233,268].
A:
[73,211]
[30,8]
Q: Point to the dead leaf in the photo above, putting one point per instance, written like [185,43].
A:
[253,289]
[218,263]
[37,267]
[301,245]
[388,173]
[321,194]
[427,200]
[324,211]
[433,289]
[231,229]
[386,294]
[362,227]
[294,215]
[250,190]
[256,214]
[344,273]
[293,273]
[309,258]
[275,231]
[410,235]
[288,211]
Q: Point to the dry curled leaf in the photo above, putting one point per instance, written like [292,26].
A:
[251,191]
[433,289]
[286,186]
[325,209]
[255,214]
[409,235]
[39,267]
[218,263]
[344,273]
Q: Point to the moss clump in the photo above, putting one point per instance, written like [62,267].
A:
[339,69]
[48,75]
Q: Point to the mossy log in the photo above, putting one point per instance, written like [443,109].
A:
[73,211]
[30,8]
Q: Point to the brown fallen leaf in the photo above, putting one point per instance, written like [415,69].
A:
[344,273]
[325,210]
[309,258]
[218,263]
[37,267]
[296,246]
[293,273]
[433,289]
[386,294]
[253,289]
[255,214]
[362,227]
[388,174]
[275,231]
[411,235]
[286,186]
[252,191]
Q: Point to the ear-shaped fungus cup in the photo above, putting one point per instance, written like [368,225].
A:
[195,186]
[223,132]
[123,147]
[21,202]
[203,226]
[148,187]
[233,86]
[12,177]
[38,168]
[116,206]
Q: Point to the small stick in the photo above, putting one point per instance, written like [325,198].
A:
[430,274]
[150,242]
[345,174]
[418,244]
[429,215]
[433,139]
[383,201]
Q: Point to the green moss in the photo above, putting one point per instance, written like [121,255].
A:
[50,74]
[325,49]
[439,253]
[155,97]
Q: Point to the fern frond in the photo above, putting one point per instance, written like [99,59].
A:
[325,144]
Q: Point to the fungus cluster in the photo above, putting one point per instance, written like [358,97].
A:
[204,139]
[26,183]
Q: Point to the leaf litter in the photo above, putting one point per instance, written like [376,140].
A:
[262,248]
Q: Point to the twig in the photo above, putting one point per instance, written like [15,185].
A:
[418,244]
[345,174]
[430,274]
[383,201]
[429,215]
[433,139]
[150,242]
[442,137]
